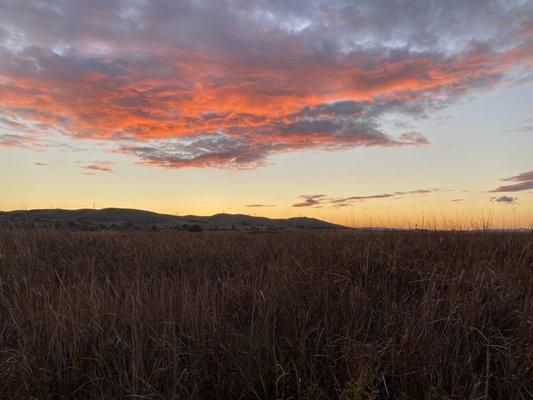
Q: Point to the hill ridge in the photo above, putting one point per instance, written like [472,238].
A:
[131,218]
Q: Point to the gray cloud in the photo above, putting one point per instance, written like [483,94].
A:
[105,166]
[526,126]
[310,200]
[504,199]
[201,151]
[320,200]
[9,140]
[523,181]
[250,148]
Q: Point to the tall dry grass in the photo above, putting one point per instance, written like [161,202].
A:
[293,315]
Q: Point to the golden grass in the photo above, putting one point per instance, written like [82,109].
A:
[292,315]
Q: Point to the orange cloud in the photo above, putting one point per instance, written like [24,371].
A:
[205,101]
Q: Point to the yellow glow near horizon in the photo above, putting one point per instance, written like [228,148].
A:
[217,106]
[442,209]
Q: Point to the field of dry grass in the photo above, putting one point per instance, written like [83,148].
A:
[290,315]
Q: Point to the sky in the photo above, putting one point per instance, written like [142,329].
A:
[365,113]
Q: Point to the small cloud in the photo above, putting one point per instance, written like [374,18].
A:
[526,126]
[318,200]
[504,199]
[106,166]
[40,164]
[310,200]
[414,138]
[419,191]
[456,200]
[8,140]
[214,115]
[523,181]
[345,201]
[260,205]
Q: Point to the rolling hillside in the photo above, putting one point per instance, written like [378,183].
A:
[119,218]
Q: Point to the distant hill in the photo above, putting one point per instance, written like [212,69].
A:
[121,218]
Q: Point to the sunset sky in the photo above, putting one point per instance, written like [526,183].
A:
[377,112]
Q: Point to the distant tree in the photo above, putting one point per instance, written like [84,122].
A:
[195,228]
[72,225]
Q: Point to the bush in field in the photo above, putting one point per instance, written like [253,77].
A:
[195,228]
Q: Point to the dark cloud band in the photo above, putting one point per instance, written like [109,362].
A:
[523,181]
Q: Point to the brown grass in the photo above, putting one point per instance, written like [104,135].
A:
[293,315]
